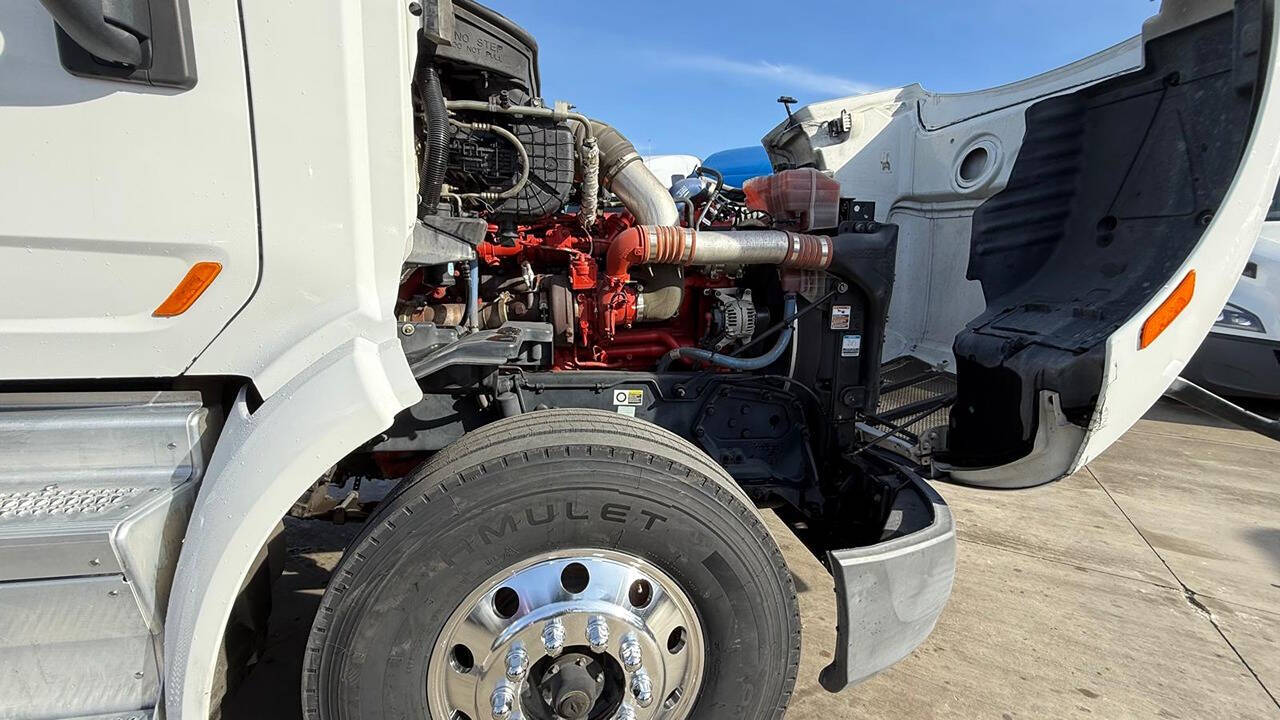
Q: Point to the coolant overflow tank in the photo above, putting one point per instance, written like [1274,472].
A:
[804,198]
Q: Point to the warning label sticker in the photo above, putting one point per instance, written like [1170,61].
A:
[851,346]
[628,397]
[840,315]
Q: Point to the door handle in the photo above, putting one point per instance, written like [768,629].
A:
[102,28]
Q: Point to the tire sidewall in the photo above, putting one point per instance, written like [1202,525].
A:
[435,544]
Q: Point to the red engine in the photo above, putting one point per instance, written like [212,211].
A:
[605,313]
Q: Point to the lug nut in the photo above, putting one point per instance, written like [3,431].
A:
[626,712]
[597,633]
[553,637]
[503,700]
[632,656]
[517,663]
[642,688]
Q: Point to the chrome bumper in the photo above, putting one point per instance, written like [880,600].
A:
[889,596]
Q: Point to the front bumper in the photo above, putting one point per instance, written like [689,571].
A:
[889,595]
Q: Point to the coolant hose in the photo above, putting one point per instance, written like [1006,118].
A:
[737,363]
[435,152]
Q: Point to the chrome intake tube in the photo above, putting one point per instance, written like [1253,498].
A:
[644,196]
[658,245]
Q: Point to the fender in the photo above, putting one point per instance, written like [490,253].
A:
[263,461]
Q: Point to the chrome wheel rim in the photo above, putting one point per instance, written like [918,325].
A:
[577,635]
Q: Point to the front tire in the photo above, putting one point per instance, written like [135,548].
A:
[477,541]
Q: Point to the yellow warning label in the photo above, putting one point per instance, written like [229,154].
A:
[628,397]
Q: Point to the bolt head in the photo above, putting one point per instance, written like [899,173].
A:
[517,663]
[553,637]
[642,688]
[502,702]
[632,655]
[598,633]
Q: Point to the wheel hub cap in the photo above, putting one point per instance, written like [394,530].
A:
[580,635]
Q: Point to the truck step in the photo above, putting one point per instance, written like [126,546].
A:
[74,468]
[95,493]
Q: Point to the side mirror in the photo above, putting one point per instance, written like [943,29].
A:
[135,41]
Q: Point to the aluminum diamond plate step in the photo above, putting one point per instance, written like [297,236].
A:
[75,467]
[95,493]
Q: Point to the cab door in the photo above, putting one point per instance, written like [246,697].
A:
[119,176]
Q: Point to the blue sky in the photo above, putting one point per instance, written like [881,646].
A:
[696,77]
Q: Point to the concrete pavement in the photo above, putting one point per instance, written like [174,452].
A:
[1147,586]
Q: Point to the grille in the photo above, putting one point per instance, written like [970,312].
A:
[909,386]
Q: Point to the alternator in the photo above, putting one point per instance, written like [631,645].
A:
[733,319]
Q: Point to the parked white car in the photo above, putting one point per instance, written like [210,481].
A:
[1241,355]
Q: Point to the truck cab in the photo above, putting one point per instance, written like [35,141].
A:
[245,260]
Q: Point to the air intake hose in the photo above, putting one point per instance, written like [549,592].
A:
[435,151]
[624,173]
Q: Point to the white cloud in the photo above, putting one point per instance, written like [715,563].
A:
[783,75]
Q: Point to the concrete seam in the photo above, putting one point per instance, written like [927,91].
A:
[1187,592]
[1067,563]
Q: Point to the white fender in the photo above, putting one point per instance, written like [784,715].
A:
[262,463]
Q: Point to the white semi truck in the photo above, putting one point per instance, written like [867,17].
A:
[253,249]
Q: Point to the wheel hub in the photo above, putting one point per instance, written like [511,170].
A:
[572,685]
[581,635]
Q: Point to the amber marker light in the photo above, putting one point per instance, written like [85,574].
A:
[193,284]
[1168,310]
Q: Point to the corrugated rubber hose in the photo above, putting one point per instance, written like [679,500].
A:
[435,152]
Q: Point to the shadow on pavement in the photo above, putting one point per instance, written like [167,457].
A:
[1267,539]
[1167,410]
[272,688]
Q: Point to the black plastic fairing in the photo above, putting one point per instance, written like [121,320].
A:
[847,376]
[1112,189]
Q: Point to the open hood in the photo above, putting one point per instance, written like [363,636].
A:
[1067,241]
